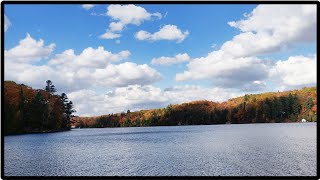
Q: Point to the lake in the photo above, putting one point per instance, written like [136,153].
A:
[286,149]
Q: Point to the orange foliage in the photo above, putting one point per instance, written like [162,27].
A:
[314,108]
[252,100]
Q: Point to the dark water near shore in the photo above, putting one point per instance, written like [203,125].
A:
[287,149]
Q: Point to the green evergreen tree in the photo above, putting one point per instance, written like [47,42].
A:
[296,107]
[50,88]
[127,122]
[22,107]
[67,111]
[308,103]
[144,121]
[154,118]
[39,112]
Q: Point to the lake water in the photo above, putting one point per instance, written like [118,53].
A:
[205,150]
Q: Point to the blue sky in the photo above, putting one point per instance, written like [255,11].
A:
[212,52]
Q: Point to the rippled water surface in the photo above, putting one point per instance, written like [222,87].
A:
[208,150]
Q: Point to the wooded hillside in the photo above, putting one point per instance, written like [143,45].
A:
[288,106]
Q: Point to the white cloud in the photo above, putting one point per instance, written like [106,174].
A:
[270,28]
[171,60]
[27,73]
[157,14]
[167,32]
[69,72]
[129,14]
[124,74]
[225,70]
[110,35]
[7,23]
[64,79]
[123,15]
[296,71]
[95,64]
[87,6]
[89,58]
[187,93]
[137,97]
[67,80]
[142,35]
[116,26]
[29,50]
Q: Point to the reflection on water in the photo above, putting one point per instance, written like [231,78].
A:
[208,150]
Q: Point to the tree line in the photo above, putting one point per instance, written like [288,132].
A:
[275,108]
[27,110]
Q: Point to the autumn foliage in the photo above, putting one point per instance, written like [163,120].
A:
[29,110]
[288,106]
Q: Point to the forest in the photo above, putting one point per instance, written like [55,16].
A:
[272,107]
[27,110]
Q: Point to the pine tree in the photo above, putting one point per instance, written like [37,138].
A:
[296,107]
[308,103]
[67,111]
[39,112]
[22,108]
[50,87]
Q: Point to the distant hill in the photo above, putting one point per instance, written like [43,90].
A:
[288,106]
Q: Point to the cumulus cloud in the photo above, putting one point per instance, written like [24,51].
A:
[270,28]
[137,97]
[123,15]
[110,35]
[124,74]
[64,79]
[116,26]
[7,23]
[68,80]
[27,73]
[29,50]
[70,72]
[179,58]
[167,32]
[295,72]
[89,58]
[225,70]
[129,14]
[87,6]
[187,93]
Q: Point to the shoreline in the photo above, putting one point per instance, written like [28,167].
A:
[37,132]
[194,125]
[56,131]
